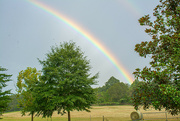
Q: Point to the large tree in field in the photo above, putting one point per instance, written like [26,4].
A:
[161,81]
[4,95]
[66,82]
[27,79]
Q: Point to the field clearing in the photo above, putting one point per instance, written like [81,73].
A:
[110,113]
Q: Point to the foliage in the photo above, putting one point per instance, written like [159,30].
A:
[111,82]
[118,92]
[134,85]
[161,81]
[4,95]
[27,79]
[66,82]
[13,104]
[113,92]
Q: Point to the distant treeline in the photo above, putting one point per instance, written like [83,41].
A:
[113,92]
[13,105]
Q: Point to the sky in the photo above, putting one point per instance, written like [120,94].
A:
[27,32]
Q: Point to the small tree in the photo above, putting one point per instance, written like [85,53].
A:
[161,81]
[27,79]
[4,95]
[66,83]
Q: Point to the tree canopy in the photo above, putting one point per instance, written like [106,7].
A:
[111,82]
[65,82]
[161,81]
[27,79]
[4,95]
[113,92]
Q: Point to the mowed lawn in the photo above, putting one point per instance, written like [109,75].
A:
[110,113]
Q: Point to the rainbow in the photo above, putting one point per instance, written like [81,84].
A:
[87,35]
[130,6]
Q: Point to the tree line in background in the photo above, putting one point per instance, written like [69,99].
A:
[64,84]
[113,92]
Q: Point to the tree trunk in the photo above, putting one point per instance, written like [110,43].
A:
[69,117]
[32,116]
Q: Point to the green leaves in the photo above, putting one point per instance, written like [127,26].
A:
[27,79]
[113,92]
[162,78]
[65,82]
[4,95]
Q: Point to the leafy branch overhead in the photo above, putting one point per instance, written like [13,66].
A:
[161,81]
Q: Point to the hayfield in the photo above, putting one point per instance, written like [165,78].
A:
[110,113]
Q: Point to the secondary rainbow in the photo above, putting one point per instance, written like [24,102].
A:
[85,34]
[131,7]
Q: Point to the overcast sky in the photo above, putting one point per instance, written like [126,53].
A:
[27,33]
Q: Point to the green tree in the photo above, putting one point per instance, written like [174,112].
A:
[113,92]
[118,92]
[27,79]
[102,97]
[134,85]
[101,92]
[4,95]
[111,82]
[161,81]
[66,82]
